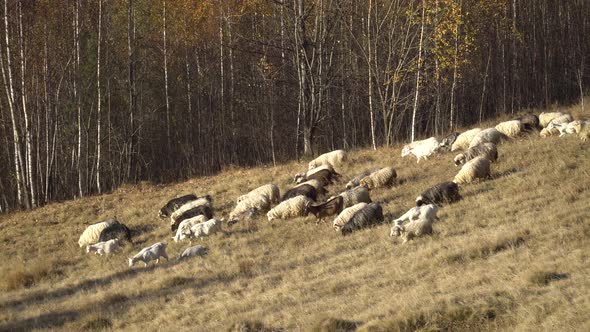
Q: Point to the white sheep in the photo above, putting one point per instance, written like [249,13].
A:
[105,247]
[582,128]
[422,149]
[511,128]
[487,150]
[290,208]
[271,190]
[91,234]
[420,222]
[383,177]
[155,251]
[333,159]
[344,217]
[477,168]
[564,118]
[184,229]
[206,228]
[463,140]
[193,252]
[260,202]
[546,117]
[489,135]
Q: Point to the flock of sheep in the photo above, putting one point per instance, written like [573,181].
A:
[192,216]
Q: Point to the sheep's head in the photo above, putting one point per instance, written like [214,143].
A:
[312,164]
[131,261]
[459,159]
[406,150]
[419,200]
[395,231]
[87,249]
[299,178]
[161,214]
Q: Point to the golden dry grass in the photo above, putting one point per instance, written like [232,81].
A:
[512,255]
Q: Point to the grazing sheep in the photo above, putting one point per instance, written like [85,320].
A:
[354,196]
[260,202]
[545,118]
[184,228]
[155,251]
[303,189]
[191,209]
[420,222]
[477,168]
[174,204]
[529,122]
[317,184]
[463,140]
[448,141]
[444,192]
[105,247]
[333,159]
[206,228]
[243,216]
[490,135]
[116,230]
[291,208]
[369,215]
[91,234]
[381,178]
[271,190]
[332,206]
[347,214]
[355,181]
[422,149]
[196,251]
[511,128]
[582,128]
[325,174]
[564,118]
[547,132]
[487,150]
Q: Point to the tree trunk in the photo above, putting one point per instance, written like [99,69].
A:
[370,77]
[98,101]
[132,98]
[168,137]
[415,109]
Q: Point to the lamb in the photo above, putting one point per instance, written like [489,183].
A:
[155,251]
[420,223]
[477,168]
[325,174]
[547,132]
[422,149]
[564,118]
[116,230]
[545,118]
[271,190]
[292,207]
[174,204]
[303,189]
[491,135]
[104,247]
[191,209]
[333,159]
[184,228]
[260,202]
[529,122]
[448,141]
[91,234]
[511,128]
[206,228]
[487,150]
[370,214]
[463,140]
[445,192]
[195,251]
[383,177]
[354,182]
[347,214]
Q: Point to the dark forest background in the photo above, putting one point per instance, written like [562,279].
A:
[97,93]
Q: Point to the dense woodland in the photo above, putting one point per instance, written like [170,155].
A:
[97,93]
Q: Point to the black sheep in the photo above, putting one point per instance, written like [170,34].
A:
[331,207]
[116,230]
[174,204]
[445,192]
[304,190]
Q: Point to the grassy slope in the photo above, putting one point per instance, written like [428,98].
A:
[513,255]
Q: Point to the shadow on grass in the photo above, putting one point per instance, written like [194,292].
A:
[47,321]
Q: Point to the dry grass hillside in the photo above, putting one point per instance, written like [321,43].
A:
[513,255]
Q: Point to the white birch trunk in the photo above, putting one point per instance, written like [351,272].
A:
[98,101]
[418,76]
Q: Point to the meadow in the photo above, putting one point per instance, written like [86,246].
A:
[513,255]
